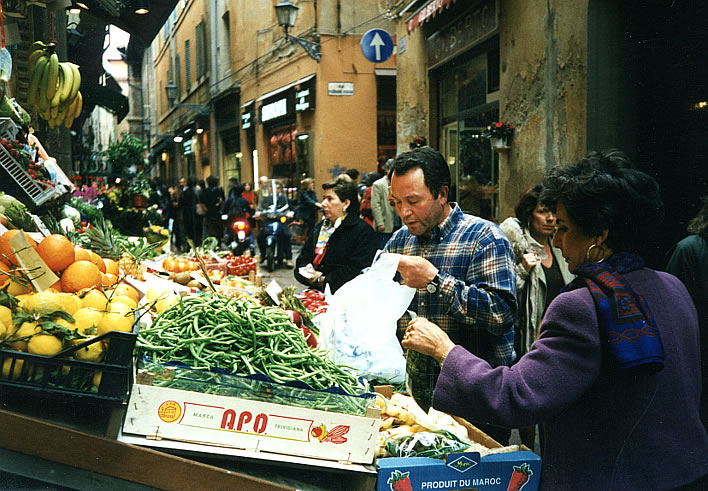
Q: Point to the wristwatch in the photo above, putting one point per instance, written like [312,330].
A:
[434,285]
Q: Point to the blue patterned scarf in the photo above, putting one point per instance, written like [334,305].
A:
[626,321]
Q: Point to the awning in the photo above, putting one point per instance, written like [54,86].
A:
[426,12]
[284,88]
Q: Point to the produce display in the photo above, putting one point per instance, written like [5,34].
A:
[54,86]
[211,331]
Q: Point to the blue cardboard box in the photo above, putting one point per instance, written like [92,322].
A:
[497,472]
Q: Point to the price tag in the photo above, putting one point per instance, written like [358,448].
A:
[3,229]
[199,277]
[273,290]
[37,270]
[40,225]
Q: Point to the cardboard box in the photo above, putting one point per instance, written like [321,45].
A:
[459,471]
[161,413]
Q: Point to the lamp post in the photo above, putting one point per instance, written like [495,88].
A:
[171,93]
[286,12]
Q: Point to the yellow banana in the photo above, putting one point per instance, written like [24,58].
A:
[35,81]
[65,87]
[57,95]
[53,75]
[76,81]
[43,88]
[38,45]
[33,57]
[79,104]
[53,112]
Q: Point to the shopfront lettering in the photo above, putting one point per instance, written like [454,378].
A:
[230,421]
[469,29]
[274,110]
[246,120]
[302,98]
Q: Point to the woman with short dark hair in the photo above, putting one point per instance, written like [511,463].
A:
[341,244]
[615,373]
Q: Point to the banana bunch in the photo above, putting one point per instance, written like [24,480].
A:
[54,86]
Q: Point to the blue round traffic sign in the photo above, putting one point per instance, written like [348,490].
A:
[377,45]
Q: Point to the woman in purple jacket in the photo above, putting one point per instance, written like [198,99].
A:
[614,376]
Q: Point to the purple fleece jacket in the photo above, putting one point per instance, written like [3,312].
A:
[604,429]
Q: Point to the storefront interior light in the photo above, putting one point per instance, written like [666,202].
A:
[74,9]
[141,7]
[200,131]
[178,139]
[164,156]
[304,136]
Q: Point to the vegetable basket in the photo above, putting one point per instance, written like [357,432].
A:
[17,182]
[108,381]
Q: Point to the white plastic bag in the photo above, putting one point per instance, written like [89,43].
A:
[359,327]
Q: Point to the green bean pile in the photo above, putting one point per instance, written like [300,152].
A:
[207,331]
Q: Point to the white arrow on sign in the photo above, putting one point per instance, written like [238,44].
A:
[377,42]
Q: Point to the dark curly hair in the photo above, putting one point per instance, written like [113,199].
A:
[604,191]
[345,189]
[436,172]
[699,224]
[527,203]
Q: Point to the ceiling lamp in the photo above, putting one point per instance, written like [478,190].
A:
[142,7]
[83,5]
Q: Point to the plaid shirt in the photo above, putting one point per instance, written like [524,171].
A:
[476,301]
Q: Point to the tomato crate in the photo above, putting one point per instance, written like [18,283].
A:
[17,182]
[67,377]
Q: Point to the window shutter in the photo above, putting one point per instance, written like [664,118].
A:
[178,77]
[187,66]
[198,50]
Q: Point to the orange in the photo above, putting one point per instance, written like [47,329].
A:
[108,279]
[127,290]
[169,264]
[57,251]
[98,261]
[5,248]
[4,277]
[57,286]
[111,266]
[80,275]
[81,254]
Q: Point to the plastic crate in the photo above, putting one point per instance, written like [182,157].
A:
[69,377]
[18,183]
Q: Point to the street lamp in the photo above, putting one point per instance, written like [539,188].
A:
[171,92]
[286,12]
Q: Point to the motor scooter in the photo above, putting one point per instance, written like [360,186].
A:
[238,235]
[275,235]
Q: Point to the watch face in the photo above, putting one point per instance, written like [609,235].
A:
[431,287]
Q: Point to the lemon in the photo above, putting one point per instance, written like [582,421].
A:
[17,288]
[97,378]
[5,316]
[154,293]
[125,300]
[166,303]
[70,302]
[91,352]
[3,331]
[86,318]
[44,302]
[26,329]
[44,344]
[95,299]
[25,300]
[123,309]
[114,321]
[65,323]
[7,366]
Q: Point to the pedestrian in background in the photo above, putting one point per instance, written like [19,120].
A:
[365,206]
[689,262]
[188,208]
[381,206]
[175,222]
[213,198]
[307,204]
[341,244]
[615,373]
[249,194]
[541,272]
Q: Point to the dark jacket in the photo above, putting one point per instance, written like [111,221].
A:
[350,249]
[604,427]
[307,206]
[212,197]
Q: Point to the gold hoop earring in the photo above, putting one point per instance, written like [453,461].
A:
[601,257]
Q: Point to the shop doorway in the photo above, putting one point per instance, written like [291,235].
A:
[647,96]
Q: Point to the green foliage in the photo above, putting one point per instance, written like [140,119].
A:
[130,150]
[139,185]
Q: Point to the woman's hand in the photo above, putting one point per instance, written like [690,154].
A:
[529,261]
[427,338]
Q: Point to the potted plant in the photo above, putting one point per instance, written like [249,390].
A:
[499,134]
[139,188]
[126,155]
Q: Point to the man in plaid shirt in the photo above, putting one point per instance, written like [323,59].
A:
[461,265]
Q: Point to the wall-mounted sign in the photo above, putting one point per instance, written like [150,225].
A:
[340,88]
[304,99]
[246,120]
[377,45]
[274,110]
[187,146]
